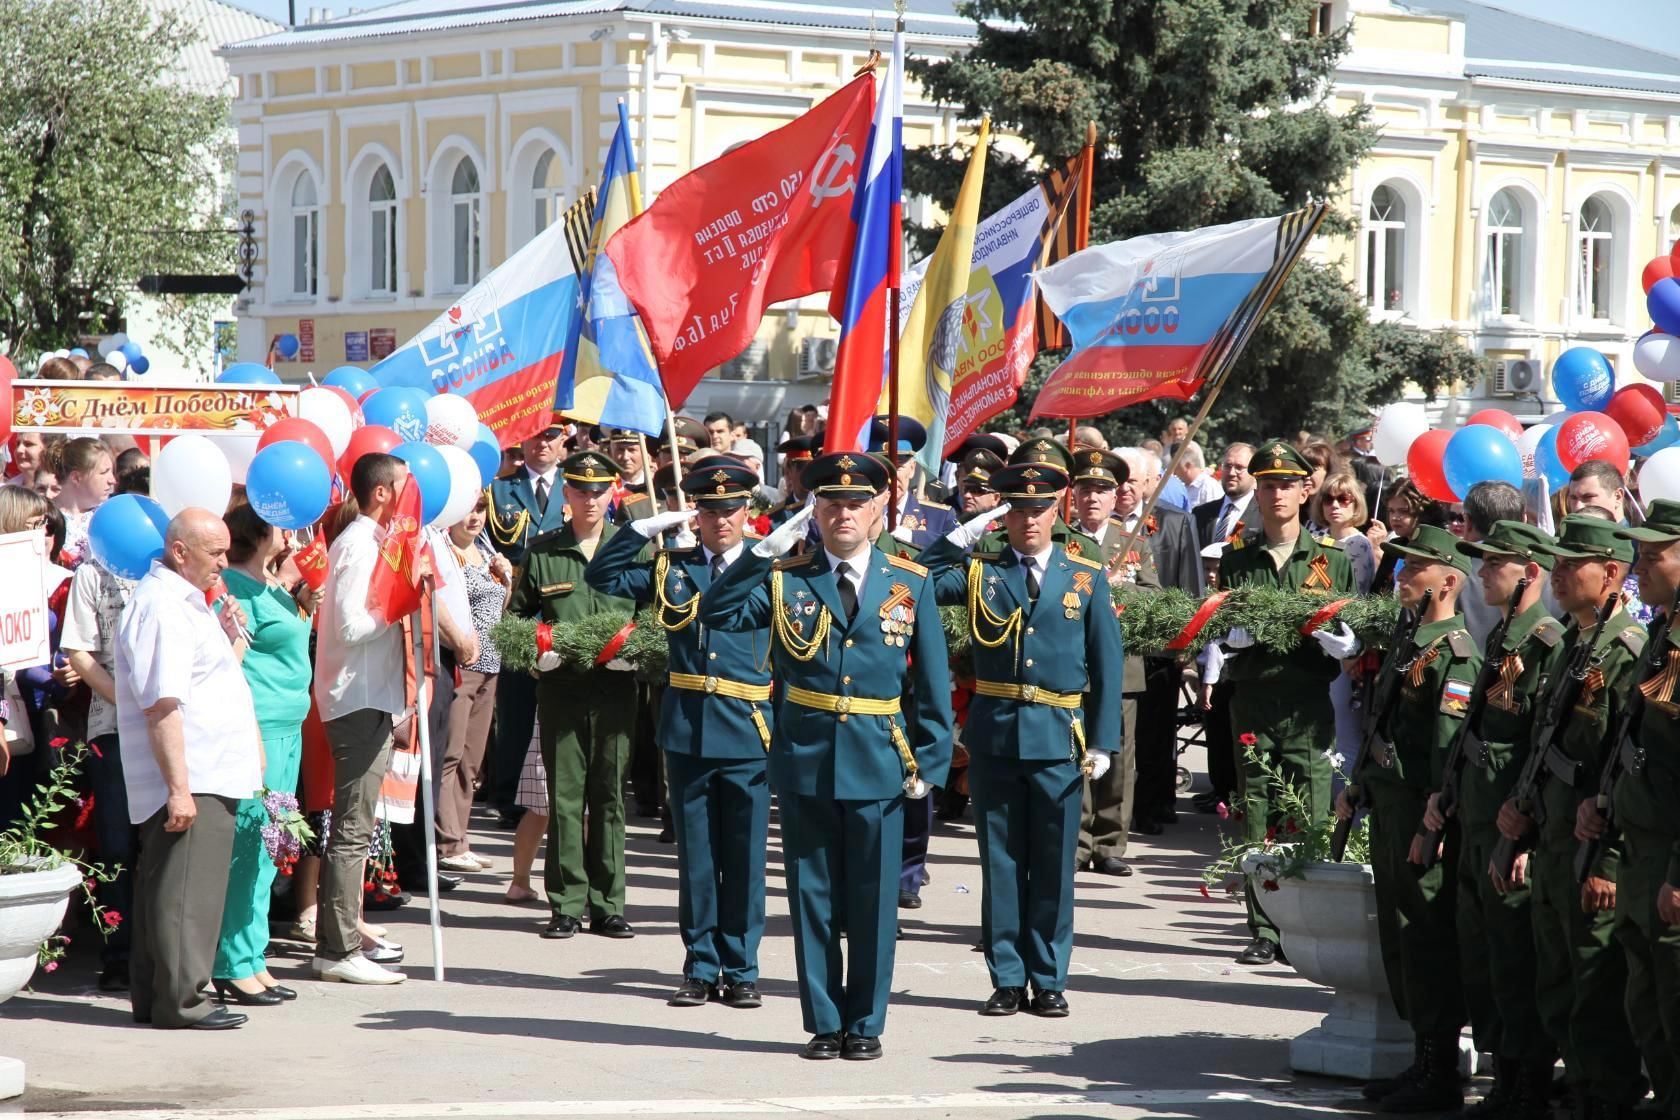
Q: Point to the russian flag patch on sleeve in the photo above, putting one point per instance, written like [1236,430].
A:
[1455,698]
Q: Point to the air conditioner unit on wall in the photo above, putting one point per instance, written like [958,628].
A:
[1515,377]
[1671,391]
[816,358]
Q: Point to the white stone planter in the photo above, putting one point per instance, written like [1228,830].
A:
[32,904]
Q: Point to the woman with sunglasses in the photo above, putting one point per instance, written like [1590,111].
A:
[1339,506]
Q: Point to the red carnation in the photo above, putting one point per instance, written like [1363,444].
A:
[1270,884]
[1205,893]
[112,919]
[1248,739]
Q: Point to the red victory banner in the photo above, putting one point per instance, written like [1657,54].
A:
[394,588]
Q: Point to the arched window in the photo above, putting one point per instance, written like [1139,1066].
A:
[1385,250]
[382,234]
[466,208]
[547,198]
[1595,244]
[1673,230]
[306,237]
[1502,290]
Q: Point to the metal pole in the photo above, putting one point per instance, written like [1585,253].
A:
[892,407]
[422,713]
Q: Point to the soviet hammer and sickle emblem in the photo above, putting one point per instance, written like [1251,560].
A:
[824,182]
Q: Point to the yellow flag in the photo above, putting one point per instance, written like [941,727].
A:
[930,339]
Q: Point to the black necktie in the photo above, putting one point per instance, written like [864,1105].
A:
[542,495]
[848,592]
[1032,582]
[717,566]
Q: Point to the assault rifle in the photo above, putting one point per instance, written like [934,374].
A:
[1447,799]
[1381,692]
[1624,751]
[1535,768]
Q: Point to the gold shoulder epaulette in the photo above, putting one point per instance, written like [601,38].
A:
[1328,541]
[1463,645]
[907,564]
[1238,544]
[1085,560]
[1549,631]
[788,563]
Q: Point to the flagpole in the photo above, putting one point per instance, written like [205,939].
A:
[1172,468]
[676,455]
[422,716]
[894,278]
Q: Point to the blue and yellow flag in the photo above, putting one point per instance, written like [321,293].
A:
[609,376]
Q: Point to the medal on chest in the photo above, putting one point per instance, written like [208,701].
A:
[898,615]
[1070,605]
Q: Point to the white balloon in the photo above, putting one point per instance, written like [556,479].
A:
[191,471]
[451,421]
[327,411]
[120,360]
[119,340]
[106,345]
[465,485]
[1657,356]
[1526,445]
[1397,426]
[1660,476]
[238,448]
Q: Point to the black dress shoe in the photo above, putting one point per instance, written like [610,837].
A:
[286,994]
[693,993]
[1259,951]
[220,1019]
[909,900]
[667,836]
[822,1047]
[560,927]
[860,1048]
[1005,1001]
[1111,865]
[114,978]
[1051,1005]
[742,994]
[613,925]
[1147,827]
[229,992]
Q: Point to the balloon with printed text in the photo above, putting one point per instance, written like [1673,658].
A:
[1583,379]
[1591,435]
[1639,410]
[289,484]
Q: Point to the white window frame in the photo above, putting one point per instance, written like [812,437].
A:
[1585,245]
[386,212]
[519,174]
[1507,246]
[304,223]
[1378,233]
[466,206]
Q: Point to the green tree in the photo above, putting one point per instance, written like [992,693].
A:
[104,151]
[1207,111]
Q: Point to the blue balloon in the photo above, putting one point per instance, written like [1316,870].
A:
[126,534]
[427,468]
[352,379]
[1479,453]
[1546,461]
[1582,379]
[288,484]
[1668,437]
[78,352]
[287,344]
[400,409]
[1663,303]
[248,373]
[130,350]
[486,451]
[140,364]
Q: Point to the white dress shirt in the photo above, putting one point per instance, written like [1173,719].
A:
[858,566]
[1037,565]
[359,657]
[170,646]
[729,557]
[1205,489]
[1230,512]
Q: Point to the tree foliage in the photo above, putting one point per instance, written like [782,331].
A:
[104,151]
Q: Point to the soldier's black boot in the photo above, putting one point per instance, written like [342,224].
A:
[1383,1086]
[1437,1086]
[1531,1093]
[1496,1105]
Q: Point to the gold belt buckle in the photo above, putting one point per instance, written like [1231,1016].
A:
[711,684]
[1029,692]
[843,704]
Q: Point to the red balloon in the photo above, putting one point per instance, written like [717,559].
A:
[1658,268]
[1498,418]
[1592,435]
[7,373]
[1639,411]
[1423,463]
[365,441]
[304,432]
[361,400]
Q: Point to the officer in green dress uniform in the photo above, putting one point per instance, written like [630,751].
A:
[1415,920]
[1046,713]
[714,729]
[587,716]
[863,720]
[1044,451]
[1647,803]
[1282,701]
[1581,972]
[1495,928]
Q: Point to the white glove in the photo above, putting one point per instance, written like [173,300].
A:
[788,534]
[650,527]
[684,538]
[968,534]
[904,533]
[1213,666]
[547,662]
[1340,643]
[1238,638]
[1098,763]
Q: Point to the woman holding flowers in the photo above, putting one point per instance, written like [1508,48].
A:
[277,668]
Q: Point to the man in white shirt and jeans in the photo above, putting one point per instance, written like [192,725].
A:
[359,688]
[187,730]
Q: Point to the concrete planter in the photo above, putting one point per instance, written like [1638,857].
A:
[32,904]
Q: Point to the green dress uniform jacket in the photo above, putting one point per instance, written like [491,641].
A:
[1415,919]
[587,718]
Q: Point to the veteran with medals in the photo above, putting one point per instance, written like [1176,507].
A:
[863,722]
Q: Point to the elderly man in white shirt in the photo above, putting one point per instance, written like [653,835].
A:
[187,730]
[360,688]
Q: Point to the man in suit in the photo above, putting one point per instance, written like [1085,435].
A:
[714,729]
[523,504]
[1230,515]
[855,641]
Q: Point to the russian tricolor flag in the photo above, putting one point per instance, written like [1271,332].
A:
[860,368]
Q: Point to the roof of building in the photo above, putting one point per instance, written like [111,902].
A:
[1500,43]
[925,18]
[215,24]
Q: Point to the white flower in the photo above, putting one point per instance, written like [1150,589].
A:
[1335,757]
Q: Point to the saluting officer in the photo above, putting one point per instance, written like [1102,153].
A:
[1415,921]
[714,728]
[1281,702]
[863,720]
[1043,451]
[587,716]
[1046,712]
[1581,973]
